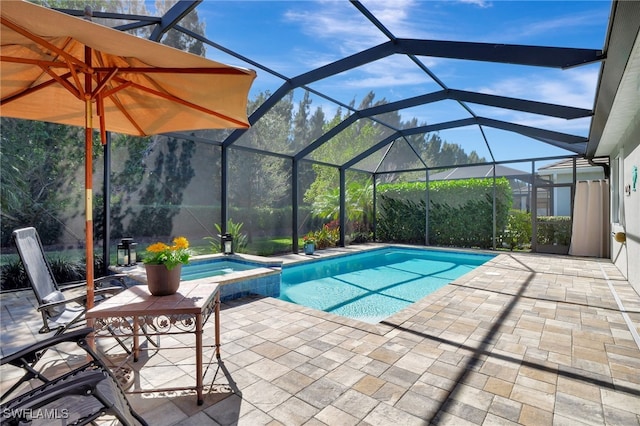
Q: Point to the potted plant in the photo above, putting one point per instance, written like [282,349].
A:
[309,243]
[163,264]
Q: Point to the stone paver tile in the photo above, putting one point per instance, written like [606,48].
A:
[270,350]
[385,354]
[579,389]
[498,387]
[375,368]
[250,415]
[419,405]
[311,370]
[414,362]
[264,395]
[384,415]
[355,403]
[199,419]
[345,375]
[432,379]
[539,385]
[474,397]
[534,397]
[165,414]
[333,416]
[578,409]
[431,392]
[226,411]
[505,408]
[267,369]
[368,385]
[245,357]
[464,411]
[293,381]
[293,412]
[494,420]
[321,392]
[324,363]
[389,393]
[621,401]
[534,416]
[400,376]
[614,416]
[292,359]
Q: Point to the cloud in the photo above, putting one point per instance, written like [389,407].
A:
[480,3]
[574,87]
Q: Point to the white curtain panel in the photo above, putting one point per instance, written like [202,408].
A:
[590,232]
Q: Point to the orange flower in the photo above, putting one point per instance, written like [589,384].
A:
[157,247]
[180,243]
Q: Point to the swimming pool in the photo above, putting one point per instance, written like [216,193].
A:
[374,285]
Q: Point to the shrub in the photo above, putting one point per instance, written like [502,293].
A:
[518,232]
[64,270]
[554,230]
[460,212]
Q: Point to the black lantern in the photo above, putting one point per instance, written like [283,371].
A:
[126,252]
[133,256]
[122,258]
[227,243]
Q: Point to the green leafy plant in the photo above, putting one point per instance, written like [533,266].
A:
[239,239]
[308,239]
[518,232]
[171,256]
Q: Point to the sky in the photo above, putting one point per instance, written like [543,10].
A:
[294,37]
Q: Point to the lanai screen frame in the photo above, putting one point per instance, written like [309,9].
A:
[553,57]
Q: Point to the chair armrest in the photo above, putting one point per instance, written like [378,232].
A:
[79,299]
[115,277]
[107,290]
[97,282]
[71,285]
[30,353]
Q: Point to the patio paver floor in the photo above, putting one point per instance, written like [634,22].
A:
[523,339]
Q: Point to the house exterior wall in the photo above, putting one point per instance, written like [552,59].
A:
[626,256]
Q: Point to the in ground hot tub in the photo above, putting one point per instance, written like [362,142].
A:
[239,275]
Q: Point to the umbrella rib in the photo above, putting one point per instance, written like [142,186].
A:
[102,82]
[65,83]
[38,62]
[44,43]
[26,92]
[164,70]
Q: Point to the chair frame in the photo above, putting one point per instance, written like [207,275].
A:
[93,380]
[41,281]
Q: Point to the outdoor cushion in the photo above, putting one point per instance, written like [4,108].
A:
[54,296]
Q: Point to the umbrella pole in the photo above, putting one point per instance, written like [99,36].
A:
[88,176]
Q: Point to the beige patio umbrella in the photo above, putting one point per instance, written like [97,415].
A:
[67,70]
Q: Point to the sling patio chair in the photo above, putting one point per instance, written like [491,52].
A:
[59,313]
[67,386]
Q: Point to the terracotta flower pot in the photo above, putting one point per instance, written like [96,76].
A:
[162,281]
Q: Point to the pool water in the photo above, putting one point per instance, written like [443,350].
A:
[373,286]
[212,268]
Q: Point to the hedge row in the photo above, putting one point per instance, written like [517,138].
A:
[460,212]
